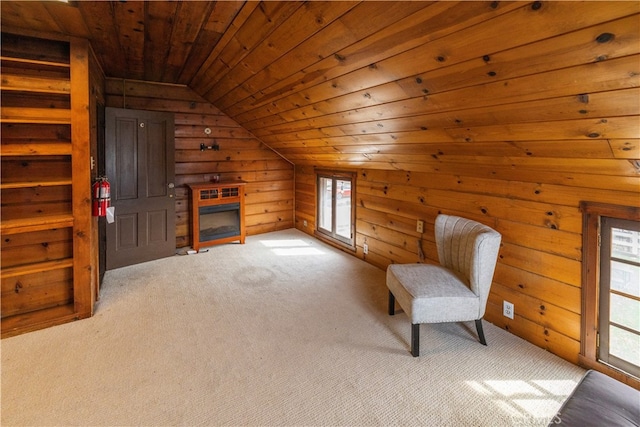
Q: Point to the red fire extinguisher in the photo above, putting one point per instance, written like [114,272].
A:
[101,197]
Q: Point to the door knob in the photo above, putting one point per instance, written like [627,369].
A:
[171,185]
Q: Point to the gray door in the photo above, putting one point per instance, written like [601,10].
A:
[140,167]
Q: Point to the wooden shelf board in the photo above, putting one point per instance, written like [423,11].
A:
[36,149]
[39,319]
[24,184]
[26,225]
[42,85]
[38,267]
[35,115]
[35,61]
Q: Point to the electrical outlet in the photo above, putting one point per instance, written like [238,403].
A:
[365,248]
[507,309]
[420,226]
[304,223]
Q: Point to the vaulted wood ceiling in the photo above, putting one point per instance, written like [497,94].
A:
[386,85]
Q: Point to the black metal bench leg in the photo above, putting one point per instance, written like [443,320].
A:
[392,304]
[480,332]
[415,339]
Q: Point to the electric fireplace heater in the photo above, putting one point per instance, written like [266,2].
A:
[217,213]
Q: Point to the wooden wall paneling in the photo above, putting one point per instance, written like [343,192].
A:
[544,337]
[540,311]
[269,190]
[26,293]
[544,288]
[36,247]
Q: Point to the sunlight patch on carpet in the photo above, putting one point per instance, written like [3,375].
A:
[292,247]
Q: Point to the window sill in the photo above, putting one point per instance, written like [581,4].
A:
[610,371]
[337,243]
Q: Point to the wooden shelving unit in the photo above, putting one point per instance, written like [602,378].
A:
[45,184]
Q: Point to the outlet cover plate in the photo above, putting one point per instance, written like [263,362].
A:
[507,309]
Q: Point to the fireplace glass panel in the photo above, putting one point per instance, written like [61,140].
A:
[217,222]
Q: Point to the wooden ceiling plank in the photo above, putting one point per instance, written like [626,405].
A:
[400,33]
[333,38]
[129,18]
[68,18]
[31,15]
[487,37]
[304,23]
[263,20]
[159,25]
[551,54]
[188,23]
[211,37]
[101,21]
[620,73]
[558,148]
[601,104]
[209,69]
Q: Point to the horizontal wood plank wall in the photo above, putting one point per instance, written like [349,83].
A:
[515,140]
[269,189]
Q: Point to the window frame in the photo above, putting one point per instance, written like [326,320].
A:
[332,237]
[591,255]
[606,240]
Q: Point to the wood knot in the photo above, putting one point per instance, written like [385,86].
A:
[441,58]
[486,58]
[494,5]
[537,5]
[593,135]
[491,73]
[339,57]
[18,287]
[605,38]
[418,80]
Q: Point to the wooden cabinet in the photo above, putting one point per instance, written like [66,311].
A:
[45,219]
[217,213]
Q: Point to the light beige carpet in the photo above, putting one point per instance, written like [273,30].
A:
[283,330]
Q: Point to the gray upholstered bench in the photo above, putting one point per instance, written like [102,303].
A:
[599,400]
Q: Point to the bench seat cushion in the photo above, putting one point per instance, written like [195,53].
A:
[599,400]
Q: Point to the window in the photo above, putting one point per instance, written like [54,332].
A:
[335,217]
[611,289]
[619,319]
